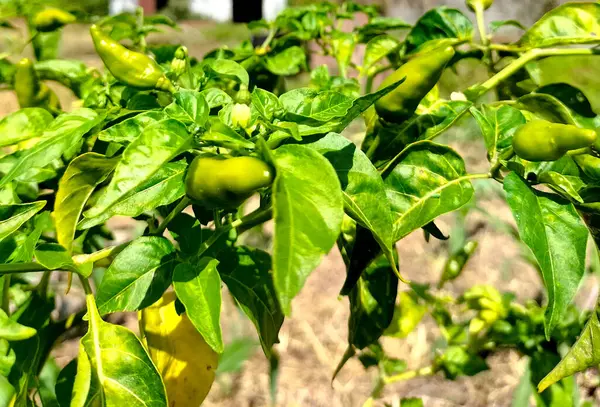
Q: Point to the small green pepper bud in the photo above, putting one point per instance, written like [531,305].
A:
[241,115]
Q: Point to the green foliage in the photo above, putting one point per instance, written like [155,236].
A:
[126,151]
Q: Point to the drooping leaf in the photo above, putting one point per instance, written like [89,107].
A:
[83,174]
[425,181]
[308,211]
[198,287]
[372,304]
[310,106]
[407,315]
[23,124]
[556,235]
[571,23]
[138,276]
[156,146]
[247,274]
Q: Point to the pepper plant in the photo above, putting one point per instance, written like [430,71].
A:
[181,142]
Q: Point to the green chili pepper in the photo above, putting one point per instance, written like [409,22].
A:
[51,19]
[31,92]
[132,68]
[539,140]
[215,182]
[422,73]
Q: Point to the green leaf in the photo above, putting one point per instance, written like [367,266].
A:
[288,62]
[372,303]
[65,383]
[64,134]
[379,25]
[497,124]
[584,354]
[457,361]
[308,211]
[411,402]
[359,105]
[129,129]
[266,103]
[309,106]
[75,187]
[138,276]
[12,330]
[55,257]
[23,124]
[235,355]
[216,97]
[156,146]
[198,287]
[523,391]
[571,23]
[557,237]
[13,216]
[247,274]
[579,71]
[363,189]
[567,186]
[497,25]
[164,187]
[73,74]
[226,68]
[425,181]
[430,123]
[114,365]
[377,49]
[548,107]
[30,354]
[189,107]
[407,315]
[440,23]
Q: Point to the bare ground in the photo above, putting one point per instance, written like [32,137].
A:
[314,338]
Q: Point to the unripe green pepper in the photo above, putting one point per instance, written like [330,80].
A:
[539,140]
[484,4]
[31,92]
[51,19]
[216,182]
[132,68]
[422,73]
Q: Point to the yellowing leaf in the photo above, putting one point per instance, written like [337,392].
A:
[185,361]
